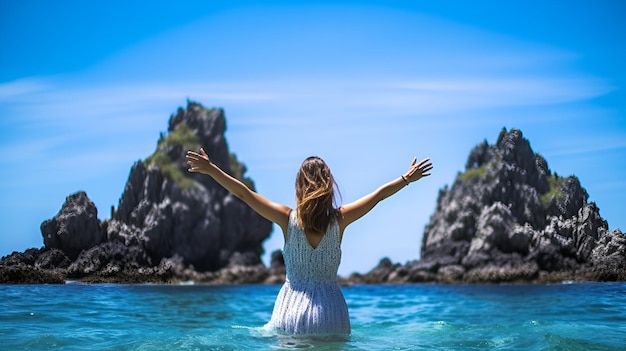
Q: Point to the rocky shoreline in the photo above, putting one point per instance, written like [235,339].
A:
[506,219]
[38,266]
[51,266]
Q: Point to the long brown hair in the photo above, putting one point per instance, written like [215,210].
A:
[315,195]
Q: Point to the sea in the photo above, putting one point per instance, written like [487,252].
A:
[75,316]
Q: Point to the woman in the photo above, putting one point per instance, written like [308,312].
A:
[310,301]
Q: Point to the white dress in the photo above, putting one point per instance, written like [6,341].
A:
[310,301]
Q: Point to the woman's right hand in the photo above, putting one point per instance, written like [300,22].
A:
[198,162]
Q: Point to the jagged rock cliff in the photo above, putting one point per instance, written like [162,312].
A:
[509,218]
[171,212]
[75,228]
[169,224]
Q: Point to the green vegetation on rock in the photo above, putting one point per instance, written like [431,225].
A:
[186,138]
[474,172]
[555,182]
[181,136]
[170,170]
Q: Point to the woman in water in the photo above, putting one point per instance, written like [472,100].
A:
[310,301]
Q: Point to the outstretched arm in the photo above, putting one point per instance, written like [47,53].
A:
[359,208]
[277,213]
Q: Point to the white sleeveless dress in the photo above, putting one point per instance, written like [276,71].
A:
[310,301]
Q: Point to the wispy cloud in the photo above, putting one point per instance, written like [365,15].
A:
[21,87]
[593,144]
[124,107]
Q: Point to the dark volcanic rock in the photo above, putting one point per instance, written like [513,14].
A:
[508,218]
[33,266]
[171,212]
[170,225]
[112,256]
[75,228]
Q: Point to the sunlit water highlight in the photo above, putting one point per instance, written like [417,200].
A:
[585,316]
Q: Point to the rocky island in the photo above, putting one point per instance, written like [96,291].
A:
[169,225]
[507,218]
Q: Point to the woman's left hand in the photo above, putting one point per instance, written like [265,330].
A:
[418,170]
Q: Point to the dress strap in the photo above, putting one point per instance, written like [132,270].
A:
[292,227]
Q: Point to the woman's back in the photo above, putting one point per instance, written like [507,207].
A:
[306,263]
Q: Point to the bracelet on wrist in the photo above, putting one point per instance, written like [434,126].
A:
[405,180]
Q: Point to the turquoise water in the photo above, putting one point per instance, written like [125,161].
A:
[589,316]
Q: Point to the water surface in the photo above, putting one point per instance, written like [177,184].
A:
[581,316]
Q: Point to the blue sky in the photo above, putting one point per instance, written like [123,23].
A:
[87,86]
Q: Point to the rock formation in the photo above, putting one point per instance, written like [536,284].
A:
[169,224]
[509,218]
[506,218]
[75,228]
[171,212]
